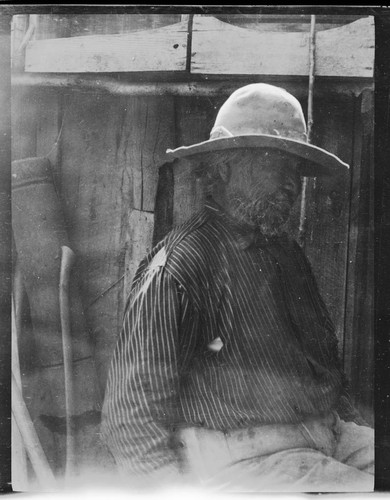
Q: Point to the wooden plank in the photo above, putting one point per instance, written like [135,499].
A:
[283,26]
[52,26]
[194,121]
[150,129]
[179,194]
[359,328]
[218,86]
[164,203]
[48,130]
[348,51]
[18,450]
[47,122]
[111,150]
[288,19]
[104,24]
[220,48]
[140,237]
[24,110]
[72,25]
[162,49]
[92,177]
[187,197]
[328,208]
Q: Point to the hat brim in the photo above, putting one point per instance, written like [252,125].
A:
[318,161]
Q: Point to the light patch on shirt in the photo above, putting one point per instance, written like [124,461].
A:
[159,260]
[215,345]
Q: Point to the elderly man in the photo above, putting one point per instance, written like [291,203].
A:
[227,370]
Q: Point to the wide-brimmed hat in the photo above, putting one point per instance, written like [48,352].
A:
[264,116]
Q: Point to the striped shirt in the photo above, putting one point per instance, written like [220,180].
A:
[218,333]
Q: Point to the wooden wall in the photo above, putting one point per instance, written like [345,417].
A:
[106,171]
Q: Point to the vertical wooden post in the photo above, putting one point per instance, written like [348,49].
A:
[194,123]
[151,130]
[49,127]
[18,450]
[24,110]
[359,319]
[328,207]
[140,238]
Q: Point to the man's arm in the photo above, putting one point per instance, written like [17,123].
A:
[142,390]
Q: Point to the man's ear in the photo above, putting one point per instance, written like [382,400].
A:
[225,172]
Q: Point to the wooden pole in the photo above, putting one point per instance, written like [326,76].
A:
[302,221]
[18,449]
[67,260]
[30,438]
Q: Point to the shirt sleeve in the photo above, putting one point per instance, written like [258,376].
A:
[142,391]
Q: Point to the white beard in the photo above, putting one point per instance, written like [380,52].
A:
[269,214]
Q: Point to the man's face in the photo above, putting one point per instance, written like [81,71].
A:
[261,193]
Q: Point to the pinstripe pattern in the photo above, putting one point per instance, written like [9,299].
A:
[278,361]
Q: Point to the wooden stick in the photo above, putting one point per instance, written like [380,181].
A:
[30,438]
[33,20]
[302,221]
[67,260]
[311,77]
[19,462]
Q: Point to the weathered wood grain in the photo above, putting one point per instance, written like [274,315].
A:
[218,86]
[47,122]
[111,150]
[140,239]
[52,26]
[220,48]
[163,215]
[284,25]
[359,321]
[217,48]
[328,208]
[162,49]
[24,111]
[105,24]
[92,177]
[194,122]
[49,130]
[150,128]
[288,21]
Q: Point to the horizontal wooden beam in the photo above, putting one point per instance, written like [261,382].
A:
[161,49]
[220,48]
[110,85]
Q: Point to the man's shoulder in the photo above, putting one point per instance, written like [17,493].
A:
[197,237]
[187,250]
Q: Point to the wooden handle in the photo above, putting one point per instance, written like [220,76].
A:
[67,261]
[30,438]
